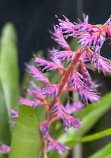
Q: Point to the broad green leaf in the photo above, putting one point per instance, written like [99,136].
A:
[88,138]
[26,135]
[108,156]
[103,153]
[9,65]
[5,134]
[41,112]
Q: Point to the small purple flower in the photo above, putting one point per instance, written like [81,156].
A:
[104,64]
[59,110]
[58,146]
[35,86]
[48,65]
[67,26]
[36,94]
[13,113]
[5,149]
[54,59]
[50,90]
[32,103]
[12,124]
[87,78]
[100,62]
[44,129]
[59,38]
[65,55]
[76,80]
[70,109]
[89,95]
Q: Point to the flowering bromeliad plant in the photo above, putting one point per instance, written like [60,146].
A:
[91,38]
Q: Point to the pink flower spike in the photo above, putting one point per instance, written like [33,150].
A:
[65,55]
[35,86]
[14,113]
[69,121]
[55,60]
[44,129]
[56,145]
[76,80]
[50,90]
[38,75]
[36,94]
[48,65]
[89,95]
[87,78]
[59,110]
[5,149]
[67,26]
[59,38]
[70,109]
[104,64]
[32,103]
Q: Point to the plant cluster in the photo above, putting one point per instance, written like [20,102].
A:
[74,77]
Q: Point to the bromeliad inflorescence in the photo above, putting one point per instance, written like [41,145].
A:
[91,38]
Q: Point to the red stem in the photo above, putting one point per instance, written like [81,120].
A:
[66,77]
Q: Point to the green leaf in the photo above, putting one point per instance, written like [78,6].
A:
[91,137]
[9,65]
[26,135]
[103,153]
[5,135]
[74,45]
[108,156]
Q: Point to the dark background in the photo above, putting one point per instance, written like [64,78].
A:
[34,18]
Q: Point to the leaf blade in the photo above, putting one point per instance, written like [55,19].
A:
[9,65]
[26,136]
[103,152]
[92,137]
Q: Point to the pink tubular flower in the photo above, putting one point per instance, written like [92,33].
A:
[69,121]
[14,113]
[65,55]
[58,146]
[33,103]
[47,64]
[36,94]
[5,149]
[70,109]
[38,75]
[59,38]
[50,90]
[74,76]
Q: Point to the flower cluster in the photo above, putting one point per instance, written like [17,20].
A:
[91,39]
